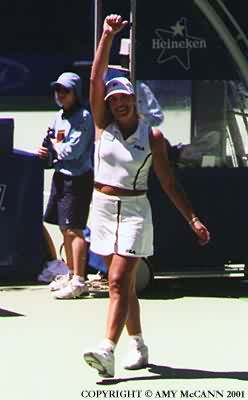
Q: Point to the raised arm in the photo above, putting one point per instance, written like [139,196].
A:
[172,187]
[112,25]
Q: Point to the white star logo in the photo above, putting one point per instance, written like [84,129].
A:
[177,40]
[177,29]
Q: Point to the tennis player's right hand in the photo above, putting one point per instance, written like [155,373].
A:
[42,152]
[113,24]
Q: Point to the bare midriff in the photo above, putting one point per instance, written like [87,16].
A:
[115,191]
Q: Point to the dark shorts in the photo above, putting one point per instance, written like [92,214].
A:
[69,201]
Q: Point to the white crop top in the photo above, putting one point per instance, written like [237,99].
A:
[123,163]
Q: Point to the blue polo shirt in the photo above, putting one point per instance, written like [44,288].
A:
[74,151]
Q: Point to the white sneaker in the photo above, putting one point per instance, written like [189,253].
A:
[103,360]
[60,282]
[137,356]
[73,290]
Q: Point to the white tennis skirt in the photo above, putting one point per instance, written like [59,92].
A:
[121,225]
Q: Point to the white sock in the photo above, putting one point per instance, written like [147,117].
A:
[137,338]
[78,278]
[107,344]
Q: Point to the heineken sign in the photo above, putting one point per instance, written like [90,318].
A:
[183,42]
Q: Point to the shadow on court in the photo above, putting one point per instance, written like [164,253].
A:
[8,313]
[164,372]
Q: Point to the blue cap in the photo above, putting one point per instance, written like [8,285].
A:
[71,81]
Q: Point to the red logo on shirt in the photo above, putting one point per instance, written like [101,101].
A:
[60,135]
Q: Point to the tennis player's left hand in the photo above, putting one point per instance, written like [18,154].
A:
[201,232]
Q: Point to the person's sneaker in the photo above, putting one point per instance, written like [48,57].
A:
[137,356]
[73,290]
[60,282]
[103,360]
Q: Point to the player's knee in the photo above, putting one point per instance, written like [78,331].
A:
[72,233]
[118,284]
